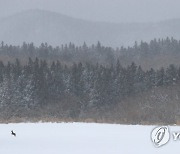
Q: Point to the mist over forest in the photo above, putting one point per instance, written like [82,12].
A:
[90,83]
[92,61]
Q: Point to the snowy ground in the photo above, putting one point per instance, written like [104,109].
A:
[80,138]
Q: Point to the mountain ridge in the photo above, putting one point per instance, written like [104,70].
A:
[54,28]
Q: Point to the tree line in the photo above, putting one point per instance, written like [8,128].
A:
[70,53]
[93,80]
[38,84]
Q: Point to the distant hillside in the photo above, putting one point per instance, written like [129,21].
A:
[44,26]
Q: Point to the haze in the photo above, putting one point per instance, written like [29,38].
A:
[100,10]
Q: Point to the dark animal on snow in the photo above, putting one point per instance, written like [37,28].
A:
[12,133]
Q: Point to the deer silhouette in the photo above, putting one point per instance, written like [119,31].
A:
[12,133]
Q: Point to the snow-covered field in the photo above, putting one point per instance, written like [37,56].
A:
[80,138]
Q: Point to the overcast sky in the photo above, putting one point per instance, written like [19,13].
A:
[100,10]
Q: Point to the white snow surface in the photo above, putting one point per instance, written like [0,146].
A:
[80,138]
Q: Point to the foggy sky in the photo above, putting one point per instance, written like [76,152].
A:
[100,10]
